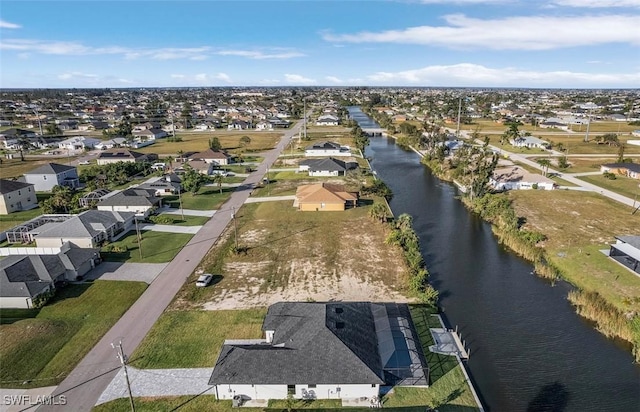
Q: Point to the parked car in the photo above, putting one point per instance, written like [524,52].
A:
[84,162]
[204,280]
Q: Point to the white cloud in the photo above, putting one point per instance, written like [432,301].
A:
[77,76]
[297,79]
[597,3]
[7,25]
[201,77]
[465,1]
[334,79]
[178,76]
[79,49]
[516,33]
[224,77]
[258,55]
[473,75]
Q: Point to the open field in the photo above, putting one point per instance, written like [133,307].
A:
[40,347]
[577,224]
[595,127]
[292,255]
[193,338]
[623,185]
[230,140]
[582,164]
[208,198]
[157,247]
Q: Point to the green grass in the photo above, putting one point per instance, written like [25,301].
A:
[208,198]
[14,219]
[193,338]
[187,221]
[157,247]
[623,185]
[41,349]
[193,141]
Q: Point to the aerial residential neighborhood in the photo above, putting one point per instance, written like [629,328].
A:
[417,206]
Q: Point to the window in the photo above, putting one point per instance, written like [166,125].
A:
[291,389]
[44,177]
[373,385]
[19,193]
[311,386]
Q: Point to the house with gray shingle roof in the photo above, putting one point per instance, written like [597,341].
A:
[24,277]
[16,196]
[327,149]
[45,177]
[141,201]
[326,167]
[333,350]
[87,230]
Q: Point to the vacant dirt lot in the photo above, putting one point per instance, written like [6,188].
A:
[299,256]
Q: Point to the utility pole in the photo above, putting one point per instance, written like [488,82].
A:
[586,136]
[180,199]
[123,361]
[138,236]
[304,100]
[39,122]
[459,110]
[235,225]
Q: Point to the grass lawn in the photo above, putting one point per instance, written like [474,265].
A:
[193,141]
[623,185]
[43,346]
[208,198]
[157,247]
[193,338]
[577,224]
[188,220]
[14,219]
[599,127]
[12,168]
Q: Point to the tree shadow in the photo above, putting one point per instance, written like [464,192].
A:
[552,397]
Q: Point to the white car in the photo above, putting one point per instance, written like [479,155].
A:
[84,162]
[204,280]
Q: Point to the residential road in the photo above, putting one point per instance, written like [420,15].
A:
[90,378]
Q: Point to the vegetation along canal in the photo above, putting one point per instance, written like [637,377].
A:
[529,350]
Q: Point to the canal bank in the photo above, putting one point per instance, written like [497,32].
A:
[530,351]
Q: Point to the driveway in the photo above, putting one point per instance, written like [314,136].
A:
[141,272]
[170,228]
[269,199]
[159,382]
[187,212]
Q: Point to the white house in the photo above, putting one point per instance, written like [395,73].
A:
[16,196]
[78,143]
[327,149]
[530,142]
[516,178]
[326,167]
[327,120]
[141,201]
[333,350]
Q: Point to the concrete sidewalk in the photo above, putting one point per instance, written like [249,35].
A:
[269,199]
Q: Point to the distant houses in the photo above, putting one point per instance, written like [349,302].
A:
[327,120]
[631,170]
[45,177]
[216,157]
[530,142]
[121,155]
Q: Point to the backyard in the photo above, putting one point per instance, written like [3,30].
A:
[623,185]
[157,247]
[40,347]
[207,198]
[194,141]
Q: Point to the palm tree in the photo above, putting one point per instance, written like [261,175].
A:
[545,163]
[170,160]
[378,212]
[218,178]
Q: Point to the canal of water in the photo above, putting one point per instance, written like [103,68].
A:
[529,350]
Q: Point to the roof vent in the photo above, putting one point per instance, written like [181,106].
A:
[339,310]
[339,325]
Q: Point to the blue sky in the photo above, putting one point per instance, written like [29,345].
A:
[433,43]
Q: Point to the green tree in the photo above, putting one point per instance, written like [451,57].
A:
[52,129]
[60,201]
[545,163]
[245,141]
[511,133]
[214,143]
[218,178]
[192,180]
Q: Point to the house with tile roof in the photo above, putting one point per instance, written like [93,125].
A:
[121,155]
[16,196]
[217,157]
[314,350]
[324,197]
[45,177]
[631,170]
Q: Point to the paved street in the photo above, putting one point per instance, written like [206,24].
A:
[93,374]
